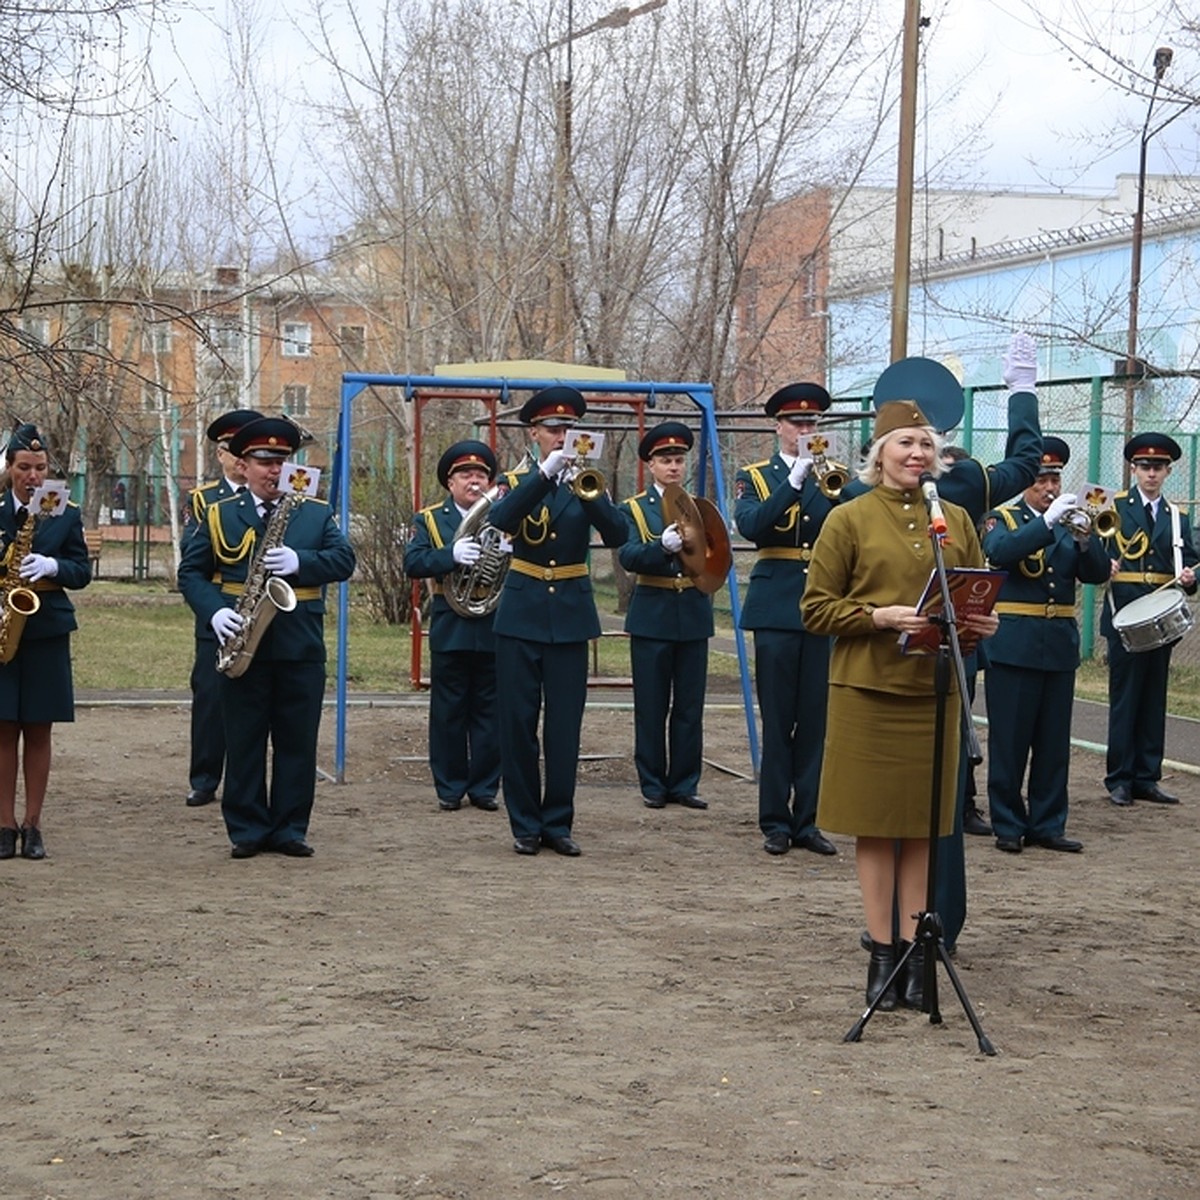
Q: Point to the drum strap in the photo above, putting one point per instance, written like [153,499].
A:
[1176,541]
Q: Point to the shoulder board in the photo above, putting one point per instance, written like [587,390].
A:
[430,508]
[766,462]
[631,499]
[204,487]
[1121,496]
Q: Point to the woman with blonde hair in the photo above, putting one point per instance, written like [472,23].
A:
[870,565]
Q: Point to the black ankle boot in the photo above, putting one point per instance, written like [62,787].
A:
[883,962]
[912,980]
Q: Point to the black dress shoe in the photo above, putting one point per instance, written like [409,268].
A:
[32,845]
[692,801]
[1155,795]
[654,801]
[298,848]
[777,843]
[562,845]
[1065,844]
[527,845]
[1009,845]
[974,823]
[817,842]
[245,849]
[449,805]
[1120,795]
[8,843]
[197,798]
[487,803]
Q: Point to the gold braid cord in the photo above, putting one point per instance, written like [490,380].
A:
[222,550]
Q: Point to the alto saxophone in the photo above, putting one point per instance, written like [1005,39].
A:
[262,597]
[17,602]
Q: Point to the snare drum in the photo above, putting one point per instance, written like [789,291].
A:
[1153,620]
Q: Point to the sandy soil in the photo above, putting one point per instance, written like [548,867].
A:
[418,1012]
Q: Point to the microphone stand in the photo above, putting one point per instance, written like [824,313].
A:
[929,924]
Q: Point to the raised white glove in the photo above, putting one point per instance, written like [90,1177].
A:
[1054,513]
[38,566]
[671,539]
[799,472]
[467,552]
[1020,363]
[282,560]
[553,463]
[225,623]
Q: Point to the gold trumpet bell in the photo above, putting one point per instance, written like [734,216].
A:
[1106,522]
[588,483]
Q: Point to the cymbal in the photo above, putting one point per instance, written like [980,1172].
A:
[706,555]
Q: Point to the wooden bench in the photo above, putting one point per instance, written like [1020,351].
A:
[95,544]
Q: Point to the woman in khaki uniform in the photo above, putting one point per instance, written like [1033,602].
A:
[869,567]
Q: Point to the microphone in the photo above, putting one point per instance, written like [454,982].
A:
[933,502]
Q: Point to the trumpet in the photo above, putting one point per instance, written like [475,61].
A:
[588,483]
[831,476]
[1085,519]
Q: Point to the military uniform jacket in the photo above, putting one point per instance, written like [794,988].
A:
[783,524]
[977,488]
[200,498]
[60,538]
[1144,553]
[429,556]
[1043,565]
[677,612]
[217,558]
[550,528]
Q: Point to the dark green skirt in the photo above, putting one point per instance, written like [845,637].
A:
[877,773]
[36,686]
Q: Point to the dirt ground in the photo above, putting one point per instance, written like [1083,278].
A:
[419,1012]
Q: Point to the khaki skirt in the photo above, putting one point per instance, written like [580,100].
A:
[877,773]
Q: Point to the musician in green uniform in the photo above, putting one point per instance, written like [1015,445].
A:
[1151,548]
[544,621]
[1045,543]
[207,761]
[669,623]
[276,703]
[36,687]
[464,747]
[780,508]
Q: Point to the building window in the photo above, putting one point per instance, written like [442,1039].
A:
[94,334]
[37,328]
[808,286]
[353,341]
[297,339]
[295,399]
[156,337]
[226,337]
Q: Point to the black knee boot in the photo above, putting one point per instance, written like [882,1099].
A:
[912,980]
[883,962]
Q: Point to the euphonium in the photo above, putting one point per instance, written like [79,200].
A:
[474,590]
[17,602]
[262,597]
[831,476]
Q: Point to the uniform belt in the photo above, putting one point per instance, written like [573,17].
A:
[1143,577]
[791,553]
[549,574]
[305,593]
[676,583]
[42,585]
[1011,608]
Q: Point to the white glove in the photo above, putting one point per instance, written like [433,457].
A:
[553,463]
[38,566]
[671,539]
[1054,513]
[282,560]
[1020,363]
[799,472]
[467,552]
[225,623]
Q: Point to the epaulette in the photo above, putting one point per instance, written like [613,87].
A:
[639,496]
[765,462]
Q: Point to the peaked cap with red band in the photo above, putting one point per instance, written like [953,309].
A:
[228,423]
[1153,447]
[268,437]
[463,456]
[798,401]
[559,405]
[1055,455]
[667,437]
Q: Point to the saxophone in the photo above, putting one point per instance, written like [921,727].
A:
[262,597]
[17,602]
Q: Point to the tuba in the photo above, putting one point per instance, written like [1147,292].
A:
[474,591]
[262,597]
[17,602]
